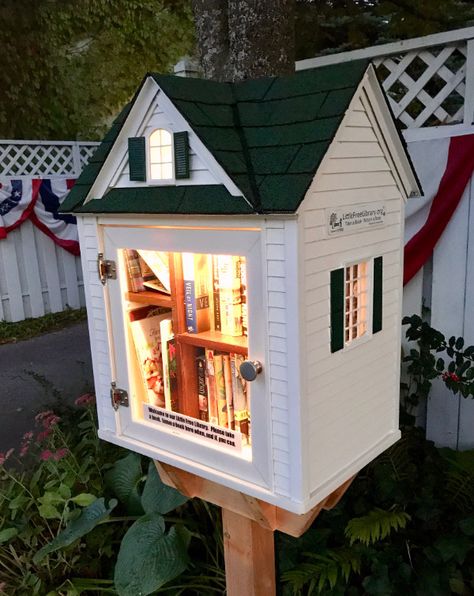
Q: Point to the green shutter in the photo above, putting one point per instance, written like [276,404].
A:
[377,296]
[337,310]
[181,155]
[137,158]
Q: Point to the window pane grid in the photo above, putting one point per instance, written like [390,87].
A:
[355,319]
[161,155]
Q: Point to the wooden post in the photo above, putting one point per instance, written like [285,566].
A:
[248,527]
[249,553]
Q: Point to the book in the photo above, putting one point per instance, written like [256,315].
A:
[158,263]
[220,390]
[196,280]
[170,373]
[211,388]
[239,392]
[228,390]
[150,281]
[215,294]
[135,277]
[202,387]
[230,302]
[147,341]
[243,295]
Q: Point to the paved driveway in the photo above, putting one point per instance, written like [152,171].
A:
[32,373]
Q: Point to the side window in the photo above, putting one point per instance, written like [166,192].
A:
[356,294]
[161,155]
[355,301]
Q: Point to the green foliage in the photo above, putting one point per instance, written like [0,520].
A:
[149,557]
[339,25]
[375,526]
[70,66]
[404,526]
[12,332]
[58,533]
[425,364]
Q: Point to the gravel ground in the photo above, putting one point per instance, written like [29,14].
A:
[33,373]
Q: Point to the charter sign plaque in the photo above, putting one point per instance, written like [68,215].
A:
[346,220]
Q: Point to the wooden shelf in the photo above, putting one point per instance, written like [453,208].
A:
[152,298]
[214,340]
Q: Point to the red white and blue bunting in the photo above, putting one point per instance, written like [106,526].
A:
[38,201]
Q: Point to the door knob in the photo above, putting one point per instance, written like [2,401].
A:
[249,369]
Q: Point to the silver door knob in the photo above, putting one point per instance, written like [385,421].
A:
[249,369]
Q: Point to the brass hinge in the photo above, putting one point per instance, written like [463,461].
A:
[106,269]
[118,397]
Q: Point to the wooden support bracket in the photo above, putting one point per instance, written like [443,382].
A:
[248,526]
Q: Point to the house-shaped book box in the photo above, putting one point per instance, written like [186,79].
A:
[242,254]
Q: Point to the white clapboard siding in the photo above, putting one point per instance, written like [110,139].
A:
[96,317]
[277,350]
[345,418]
[37,276]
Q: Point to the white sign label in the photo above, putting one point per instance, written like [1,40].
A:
[187,426]
[344,220]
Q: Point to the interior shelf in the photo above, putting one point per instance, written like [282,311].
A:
[214,340]
[153,298]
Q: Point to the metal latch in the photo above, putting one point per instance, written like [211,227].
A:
[106,269]
[118,397]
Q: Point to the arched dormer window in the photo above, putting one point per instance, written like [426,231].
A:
[164,156]
[161,155]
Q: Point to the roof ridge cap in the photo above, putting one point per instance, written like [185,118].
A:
[256,199]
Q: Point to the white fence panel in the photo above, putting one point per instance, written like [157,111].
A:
[37,276]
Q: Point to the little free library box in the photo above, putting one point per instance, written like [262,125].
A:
[242,254]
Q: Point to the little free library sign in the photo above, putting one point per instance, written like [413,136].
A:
[346,220]
[179,423]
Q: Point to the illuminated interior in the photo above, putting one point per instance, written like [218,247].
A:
[186,321]
[355,301]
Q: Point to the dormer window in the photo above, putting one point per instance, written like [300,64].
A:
[161,155]
[164,157]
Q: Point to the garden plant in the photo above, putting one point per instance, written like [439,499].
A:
[79,516]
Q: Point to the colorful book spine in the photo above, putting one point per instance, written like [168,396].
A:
[211,388]
[196,292]
[228,390]
[215,293]
[170,376]
[229,295]
[135,277]
[239,391]
[147,340]
[243,295]
[202,388]
[220,390]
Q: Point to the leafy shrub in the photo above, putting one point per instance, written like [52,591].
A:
[63,516]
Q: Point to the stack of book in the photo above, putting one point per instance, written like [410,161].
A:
[154,343]
[147,270]
[215,293]
[222,393]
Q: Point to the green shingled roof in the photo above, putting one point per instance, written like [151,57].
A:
[269,135]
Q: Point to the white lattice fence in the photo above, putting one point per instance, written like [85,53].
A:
[43,159]
[36,275]
[426,87]
[429,81]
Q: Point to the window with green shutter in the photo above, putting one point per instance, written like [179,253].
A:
[137,158]
[350,299]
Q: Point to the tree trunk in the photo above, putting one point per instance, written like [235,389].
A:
[245,39]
